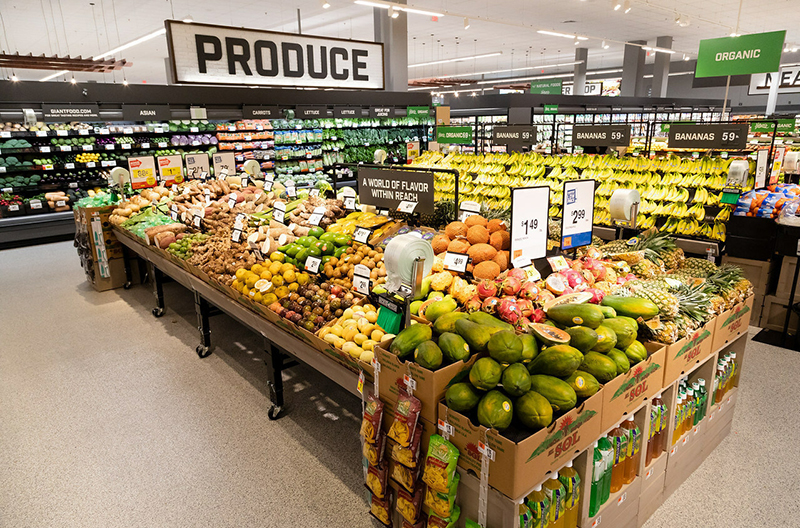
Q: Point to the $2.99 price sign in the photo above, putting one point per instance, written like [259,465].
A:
[577,218]
[529,213]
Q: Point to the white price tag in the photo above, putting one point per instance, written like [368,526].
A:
[411,383]
[194,129]
[291,192]
[127,131]
[87,147]
[486,450]
[162,144]
[222,174]
[174,188]
[529,210]
[61,203]
[73,185]
[44,149]
[2,169]
[126,146]
[47,167]
[145,145]
[69,165]
[83,132]
[207,193]
[361,284]
[196,220]
[5,134]
[104,131]
[406,207]
[62,133]
[41,133]
[279,215]
[236,234]
[13,207]
[91,164]
[362,234]
[268,185]
[195,143]
[455,262]
[232,200]
[350,203]
[596,522]
[7,189]
[312,264]
[36,204]
[622,498]
[104,163]
[248,138]
[158,130]
[313,192]
[109,146]
[315,219]
[245,181]
[445,428]
[65,148]
[468,208]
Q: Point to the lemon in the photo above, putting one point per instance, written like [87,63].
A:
[277,280]
[269,299]
[277,256]
[287,267]
[240,273]
[275,268]
[290,276]
[266,275]
[257,269]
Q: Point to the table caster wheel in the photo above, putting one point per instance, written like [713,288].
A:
[203,351]
[158,312]
[127,285]
[274,412]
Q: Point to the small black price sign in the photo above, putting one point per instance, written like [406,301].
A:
[456,262]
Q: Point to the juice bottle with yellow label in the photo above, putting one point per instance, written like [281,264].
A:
[619,440]
[734,382]
[556,493]
[661,442]
[676,431]
[633,450]
[539,508]
[689,406]
[572,487]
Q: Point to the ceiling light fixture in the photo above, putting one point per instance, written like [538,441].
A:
[466,23]
[73,81]
[627,7]
[659,50]
[14,77]
[400,7]
[188,19]
[394,13]
[53,75]
[457,59]
[325,4]
[150,36]
[564,35]
[553,76]
[577,42]
[125,82]
[617,4]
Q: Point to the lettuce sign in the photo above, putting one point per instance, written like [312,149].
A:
[744,55]
[461,135]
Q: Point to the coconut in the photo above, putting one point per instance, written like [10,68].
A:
[458,246]
[496,225]
[481,252]
[501,259]
[439,244]
[478,234]
[486,270]
[455,229]
[500,240]
[475,220]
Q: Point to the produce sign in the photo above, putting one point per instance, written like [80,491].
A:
[346,112]
[170,169]
[382,111]
[261,112]
[386,189]
[743,55]
[549,87]
[529,208]
[789,78]
[601,135]
[514,137]
[224,160]
[733,137]
[69,112]
[577,219]
[418,111]
[143,172]
[460,135]
[211,54]
[196,164]
[311,112]
[784,125]
[146,112]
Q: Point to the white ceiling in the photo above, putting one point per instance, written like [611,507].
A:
[79,28]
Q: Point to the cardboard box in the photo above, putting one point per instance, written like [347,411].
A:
[784,287]
[773,315]
[733,323]
[116,268]
[625,393]
[684,355]
[519,466]
[758,309]
[652,495]
[430,385]
[756,271]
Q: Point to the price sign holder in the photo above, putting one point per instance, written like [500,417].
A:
[362,235]
[317,215]
[577,218]
[279,212]
[529,214]
[468,208]
[350,203]
[361,280]
[456,262]
[312,264]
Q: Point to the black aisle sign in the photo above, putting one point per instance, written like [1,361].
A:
[601,135]
[69,112]
[514,137]
[381,111]
[261,112]
[311,112]
[730,137]
[346,112]
[146,113]
[385,189]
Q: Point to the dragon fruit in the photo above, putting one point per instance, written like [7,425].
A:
[588,277]
[473,305]
[508,310]
[574,278]
[555,283]
[517,273]
[511,285]
[522,323]
[538,316]
[597,295]
[525,307]
[623,279]
[487,288]
[490,305]
[529,291]
[545,296]
[597,268]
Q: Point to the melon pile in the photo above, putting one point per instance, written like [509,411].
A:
[485,241]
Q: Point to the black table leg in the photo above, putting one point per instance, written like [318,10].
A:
[274,378]
[790,307]
[158,291]
[203,310]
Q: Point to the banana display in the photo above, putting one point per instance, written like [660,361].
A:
[676,190]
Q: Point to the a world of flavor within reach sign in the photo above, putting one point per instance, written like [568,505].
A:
[389,189]
[577,219]
[743,55]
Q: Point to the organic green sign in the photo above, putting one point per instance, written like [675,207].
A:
[549,87]
[461,135]
[743,55]
[550,109]
[784,125]
[665,126]
[418,111]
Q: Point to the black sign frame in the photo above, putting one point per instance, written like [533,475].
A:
[729,136]
[603,135]
[261,112]
[395,179]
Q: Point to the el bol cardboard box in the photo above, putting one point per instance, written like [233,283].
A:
[430,384]
[733,323]
[625,393]
[519,466]
[682,356]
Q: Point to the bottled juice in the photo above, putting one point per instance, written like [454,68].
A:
[538,507]
[572,498]
[555,492]
[690,406]
[655,421]
[598,472]
[734,381]
[698,402]
[718,375]
[619,440]
[661,444]
[676,431]
[607,449]
[633,449]
[703,398]
[524,516]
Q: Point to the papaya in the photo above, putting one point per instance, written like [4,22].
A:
[409,338]
[625,332]
[600,366]
[621,360]
[485,374]
[485,319]
[582,338]
[516,380]
[606,339]
[584,384]
[462,397]
[505,347]
[634,307]
[447,322]
[428,355]
[548,334]
[453,347]
[576,314]
[477,336]
[636,352]
[559,360]
[608,312]
[533,410]
[561,396]
[439,308]
[495,410]
[530,348]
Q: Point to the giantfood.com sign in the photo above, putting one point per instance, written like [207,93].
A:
[210,54]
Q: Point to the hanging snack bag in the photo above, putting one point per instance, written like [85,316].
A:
[377,478]
[379,508]
[374,452]
[405,419]
[419,524]
[408,456]
[434,521]
[373,414]
[442,504]
[410,506]
[440,464]
[404,476]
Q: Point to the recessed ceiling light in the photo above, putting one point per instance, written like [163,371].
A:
[325,4]
[627,6]
[466,23]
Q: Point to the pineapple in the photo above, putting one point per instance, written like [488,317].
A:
[647,269]
[667,334]
[615,246]
[660,246]
[702,267]
[673,258]
[667,302]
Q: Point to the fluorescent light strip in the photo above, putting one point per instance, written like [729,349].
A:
[53,75]
[650,76]
[397,7]
[565,35]
[538,77]
[659,50]
[457,59]
[511,70]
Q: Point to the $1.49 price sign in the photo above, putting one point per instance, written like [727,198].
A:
[529,213]
[577,216]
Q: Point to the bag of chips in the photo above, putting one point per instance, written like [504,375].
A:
[408,456]
[434,521]
[442,503]
[405,419]
[377,478]
[379,508]
[371,424]
[406,477]
[419,524]
[440,464]
[409,506]
[374,452]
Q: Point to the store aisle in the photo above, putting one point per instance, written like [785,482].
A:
[108,418]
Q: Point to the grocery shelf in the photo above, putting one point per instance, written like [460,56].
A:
[32,228]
